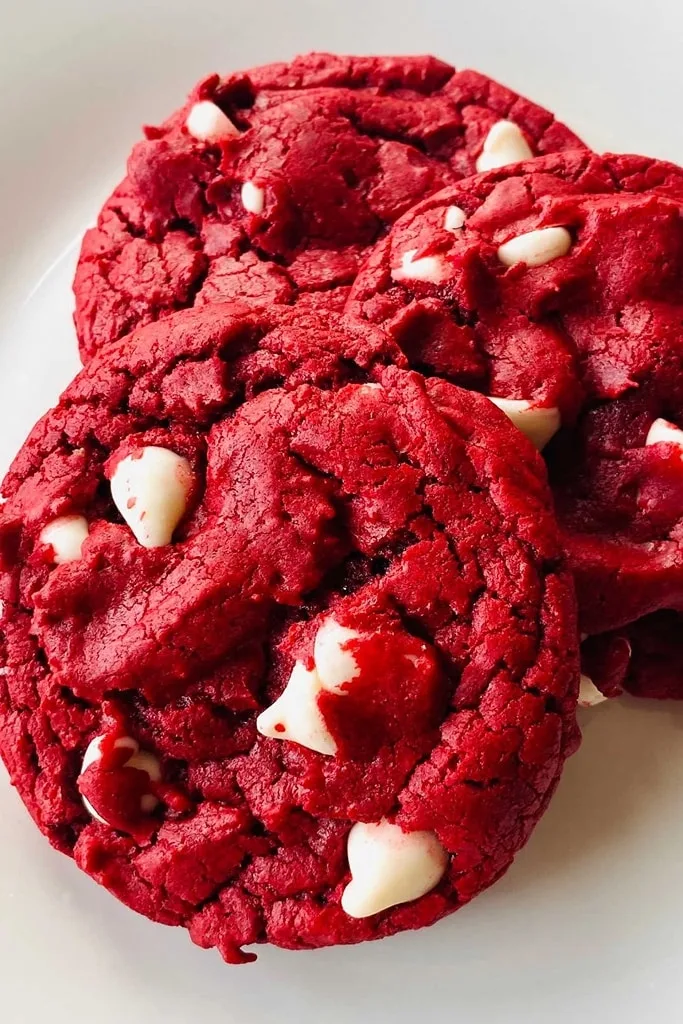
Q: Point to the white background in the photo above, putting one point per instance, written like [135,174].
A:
[586,926]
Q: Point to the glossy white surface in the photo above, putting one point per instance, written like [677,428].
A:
[586,926]
[150,489]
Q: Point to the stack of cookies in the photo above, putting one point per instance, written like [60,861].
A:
[374,470]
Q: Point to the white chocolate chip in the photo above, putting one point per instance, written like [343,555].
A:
[150,489]
[146,762]
[504,144]
[455,218]
[253,197]
[334,663]
[662,431]
[427,268]
[390,866]
[539,423]
[295,715]
[207,123]
[65,536]
[140,759]
[589,695]
[94,749]
[535,247]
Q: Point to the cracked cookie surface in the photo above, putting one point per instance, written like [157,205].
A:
[331,151]
[587,324]
[327,482]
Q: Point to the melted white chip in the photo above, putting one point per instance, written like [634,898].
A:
[140,759]
[207,123]
[253,197]
[295,715]
[662,431]
[427,268]
[537,422]
[150,489]
[504,144]
[589,695]
[455,218]
[535,247]
[65,535]
[334,663]
[94,749]
[146,762]
[390,866]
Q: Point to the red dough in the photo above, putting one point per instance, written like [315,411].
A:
[595,332]
[412,512]
[341,146]
[644,659]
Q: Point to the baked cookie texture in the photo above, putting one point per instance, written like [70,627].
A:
[555,287]
[329,547]
[292,172]
[644,658]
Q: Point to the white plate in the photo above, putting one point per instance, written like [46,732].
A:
[586,926]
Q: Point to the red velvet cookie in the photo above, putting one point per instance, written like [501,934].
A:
[557,288]
[644,658]
[289,644]
[271,184]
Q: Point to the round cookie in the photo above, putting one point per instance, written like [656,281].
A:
[271,184]
[289,645]
[557,289]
